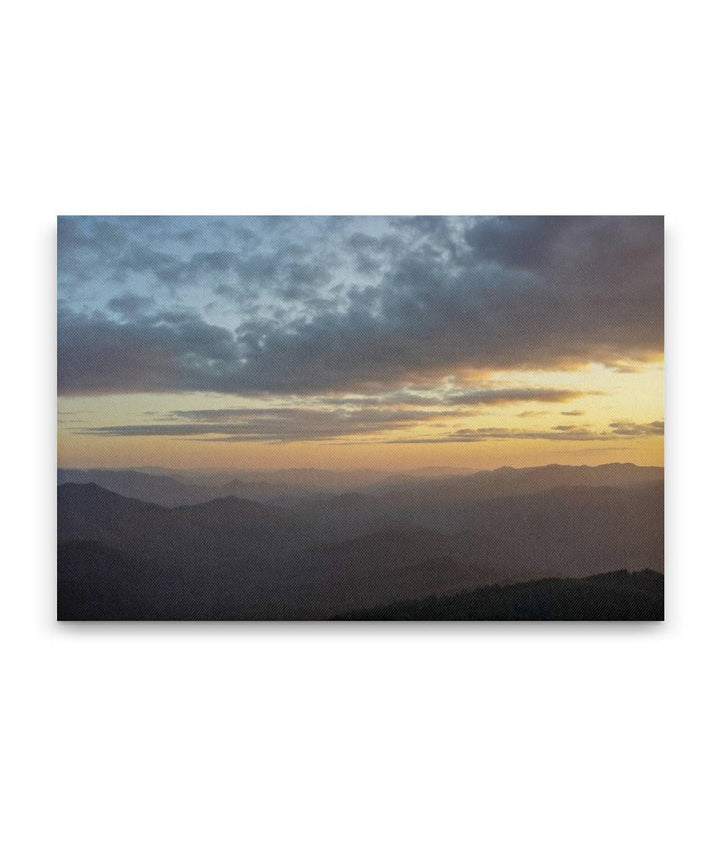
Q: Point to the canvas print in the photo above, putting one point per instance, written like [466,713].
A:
[425,418]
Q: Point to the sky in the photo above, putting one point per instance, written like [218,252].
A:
[348,342]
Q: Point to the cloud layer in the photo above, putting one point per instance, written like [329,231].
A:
[373,420]
[348,305]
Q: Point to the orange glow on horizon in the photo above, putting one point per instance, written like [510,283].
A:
[606,397]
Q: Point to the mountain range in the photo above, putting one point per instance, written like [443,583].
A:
[134,544]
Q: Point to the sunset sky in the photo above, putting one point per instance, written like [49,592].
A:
[344,342]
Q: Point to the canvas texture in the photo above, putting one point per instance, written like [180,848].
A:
[426,418]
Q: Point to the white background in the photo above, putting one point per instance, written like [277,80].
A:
[358,739]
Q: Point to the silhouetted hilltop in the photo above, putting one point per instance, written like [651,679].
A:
[92,502]
[615,596]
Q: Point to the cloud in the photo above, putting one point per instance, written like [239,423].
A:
[308,422]
[573,413]
[633,429]
[559,432]
[130,305]
[273,424]
[167,351]
[460,396]
[314,305]
[506,396]
[476,435]
[523,242]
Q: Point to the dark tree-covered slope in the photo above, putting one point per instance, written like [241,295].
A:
[616,596]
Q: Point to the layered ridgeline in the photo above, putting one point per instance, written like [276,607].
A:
[309,544]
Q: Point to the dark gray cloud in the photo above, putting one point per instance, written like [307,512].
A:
[522,242]
[460,397]
[318,305]
[599,301]
[129,305]
[506,396]
[274,424]
[167,351]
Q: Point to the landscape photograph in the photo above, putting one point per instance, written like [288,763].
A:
[373,418]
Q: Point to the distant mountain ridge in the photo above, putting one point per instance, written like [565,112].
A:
[291,486]
[335,553]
